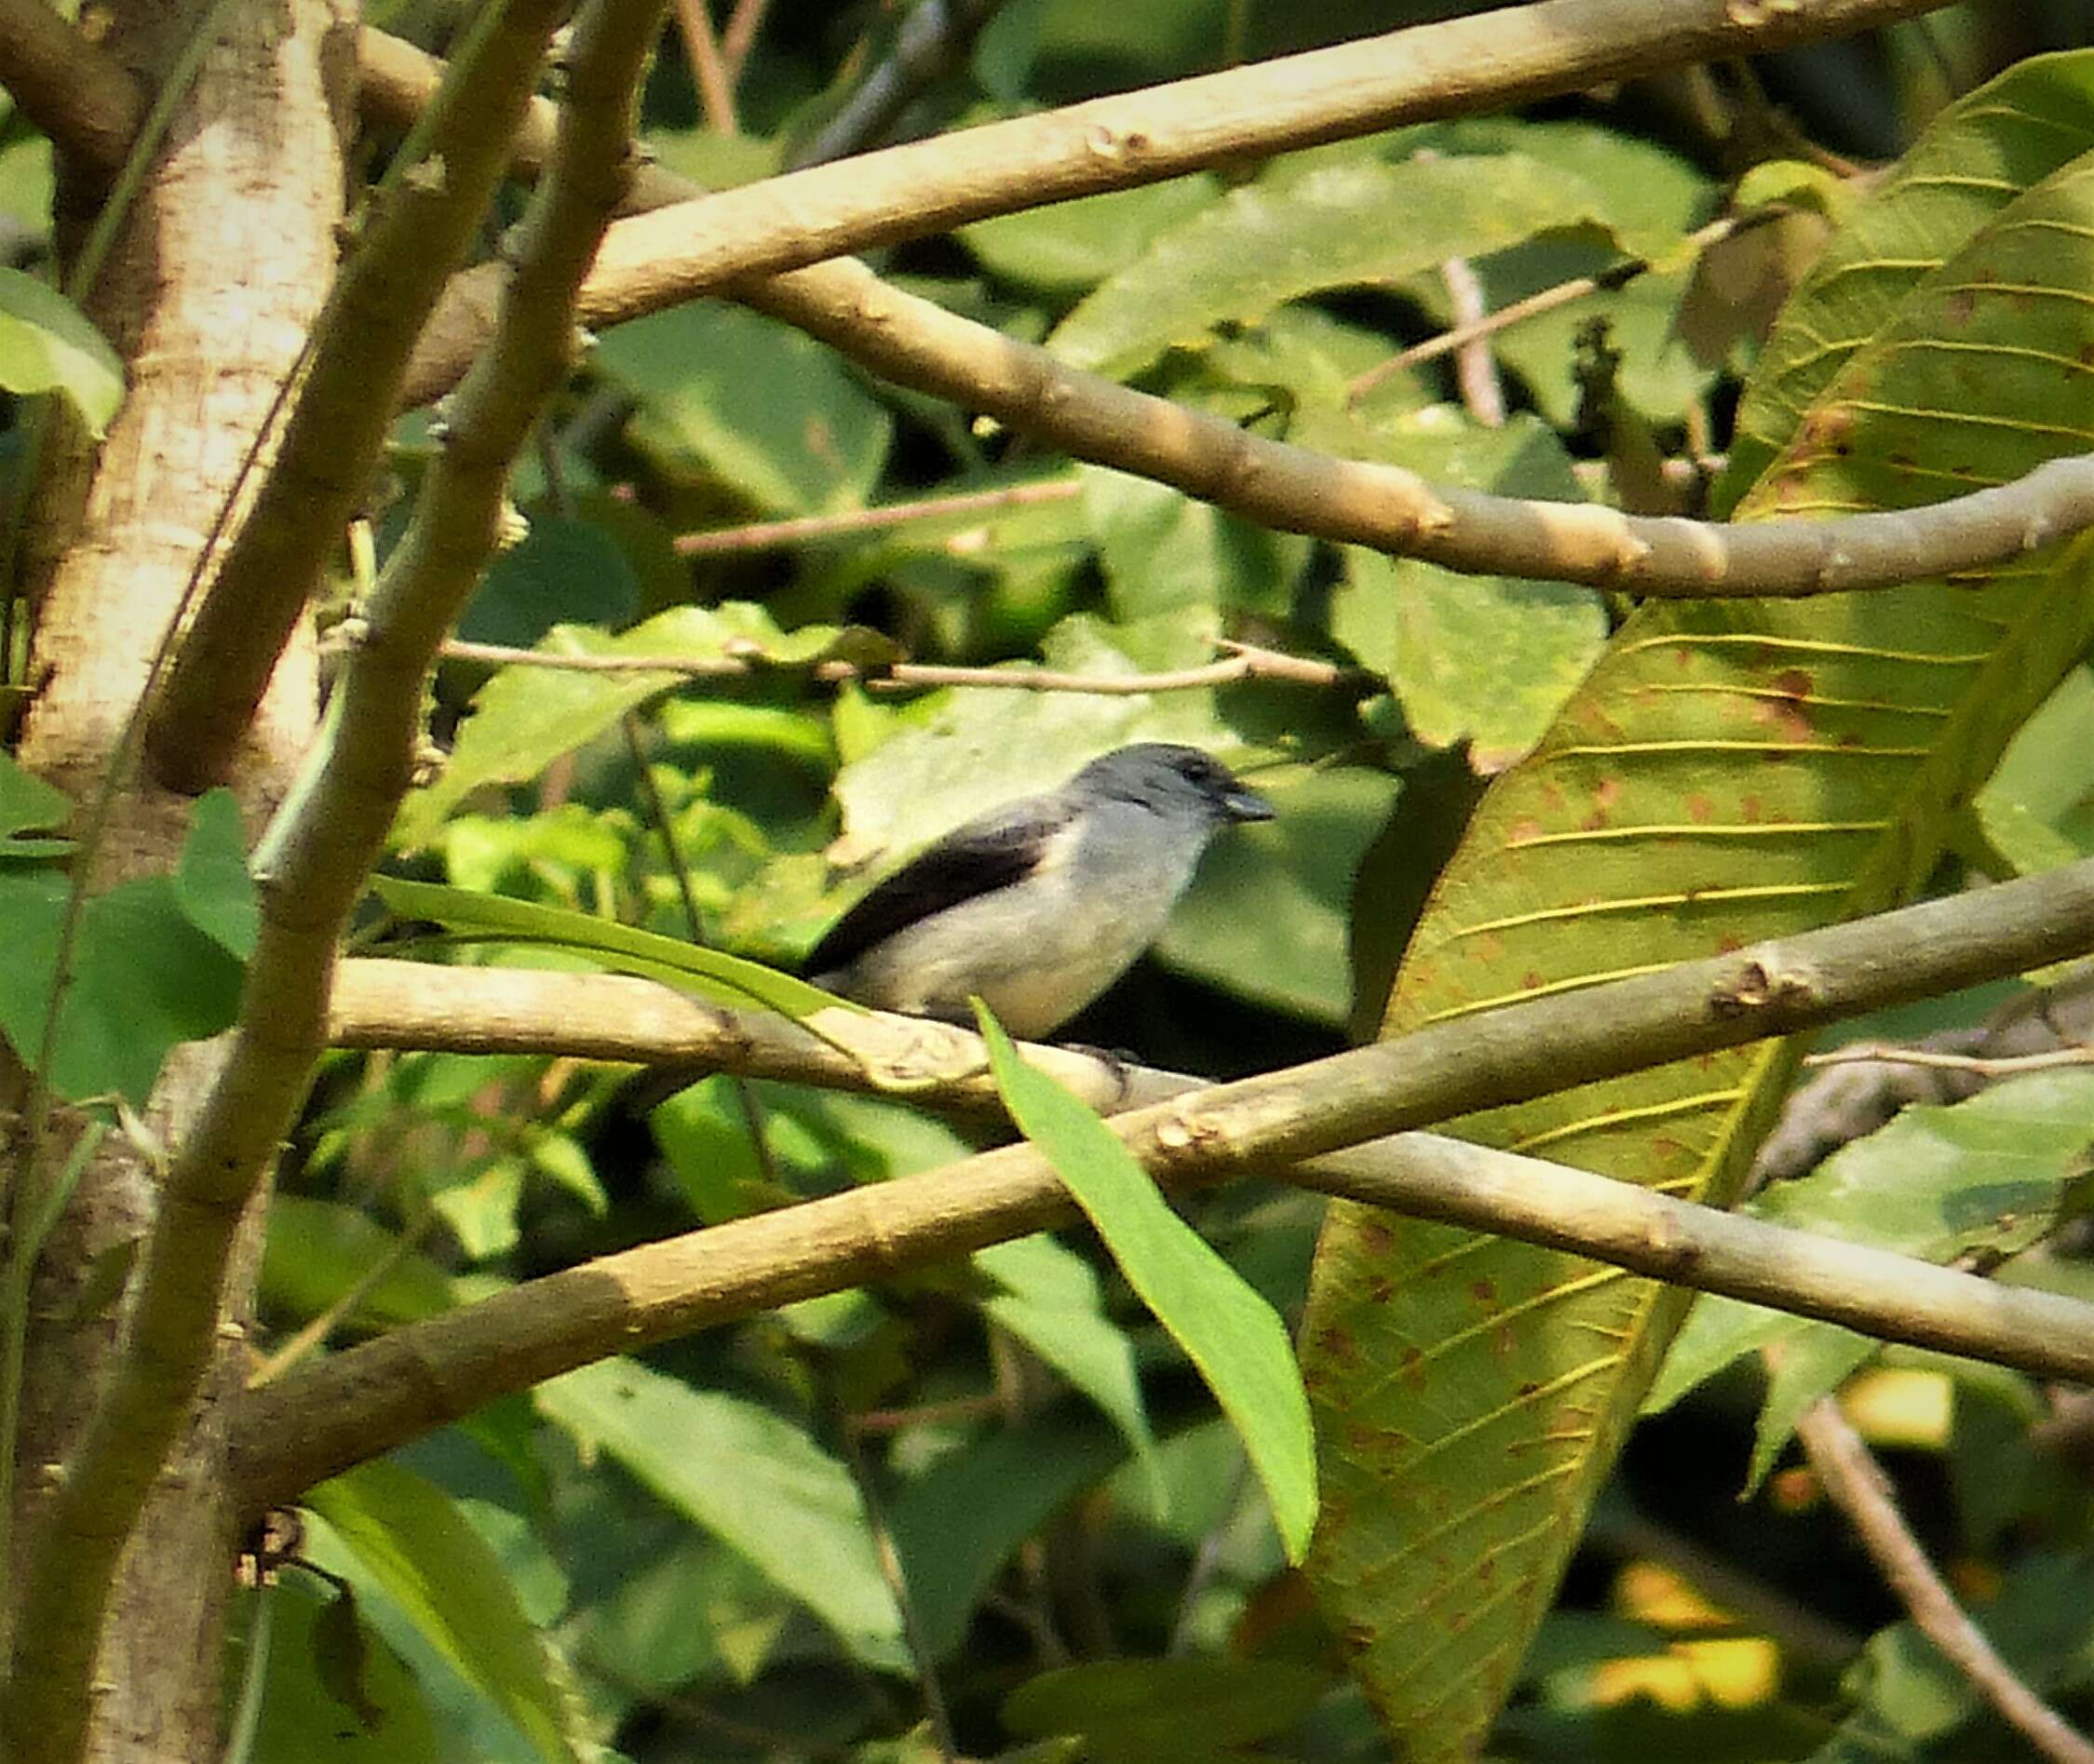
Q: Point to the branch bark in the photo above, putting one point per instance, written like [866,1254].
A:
[1859,1488]
[417,234]
[74,89]
[333,828]
[321,1420]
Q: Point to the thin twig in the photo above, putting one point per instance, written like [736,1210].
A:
[896,1575]
[1978,1065]
[739,36]
[317,1328]
[1859,1488]
[933,39]
[776,535]
[709,70]
[1473,330]
[1476,372]
[1244,661]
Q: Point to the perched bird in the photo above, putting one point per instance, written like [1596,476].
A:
[1039,906]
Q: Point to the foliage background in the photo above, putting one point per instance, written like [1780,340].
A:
[671,1555]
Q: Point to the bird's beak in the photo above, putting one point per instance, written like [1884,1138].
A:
[1247,805]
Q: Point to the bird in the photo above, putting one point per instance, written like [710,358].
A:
[1037,907]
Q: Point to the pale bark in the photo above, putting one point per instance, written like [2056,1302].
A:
[221,265]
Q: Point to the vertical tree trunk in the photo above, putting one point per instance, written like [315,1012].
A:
[222,265]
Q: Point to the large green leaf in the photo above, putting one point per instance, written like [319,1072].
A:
[748,1476]
[402,1540]
[1731,770]
[1351,221]
[1977,157]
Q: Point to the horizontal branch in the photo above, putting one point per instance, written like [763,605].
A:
[72,89]
[1242,661]
[917,343]
[774,536]
[1456,67]
[375,1396]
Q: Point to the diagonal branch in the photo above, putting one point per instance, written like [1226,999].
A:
[73,90]
[392,1389]
[1859,1488]
[917,343]
[311,864]
[418,233]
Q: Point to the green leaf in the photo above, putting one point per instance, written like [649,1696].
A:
[1148,1709]
[1163,550]
[310,1713]
[28,804]
[211,880]
[1727,773]
[1983,151]
[958,1524]
[1232,1335]
[316,1250]
[122,1015]
[1489,660]
[400,1537]
[709,972]
[748,1476]
[760,405]
[524,718]
[2037,808]
[1985,1175]
[47,344]
[1052,1303]
[1344,225]
[1076,245]
[566,571]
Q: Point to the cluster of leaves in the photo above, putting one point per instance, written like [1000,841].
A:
[691,1554]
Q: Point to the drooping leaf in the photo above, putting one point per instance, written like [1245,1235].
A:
[1139,1709]
[399,1536]
[621,949]
[1232,1335]
[750,1478]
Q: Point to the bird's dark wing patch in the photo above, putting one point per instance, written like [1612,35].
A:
[968,862]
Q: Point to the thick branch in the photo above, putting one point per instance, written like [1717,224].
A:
[313,864]
[376,1395]
[417,235]
[1859,1488]
[1458,67]
[74,90]
[917,343]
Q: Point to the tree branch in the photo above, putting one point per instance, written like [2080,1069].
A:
[372,1398]
[416,236]
[1859,1488]
[917,343]
[311,864]
[73,90]
[1241,661]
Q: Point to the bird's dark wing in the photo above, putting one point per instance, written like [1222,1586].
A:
[992,853]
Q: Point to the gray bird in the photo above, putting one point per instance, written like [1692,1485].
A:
[1039,906]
